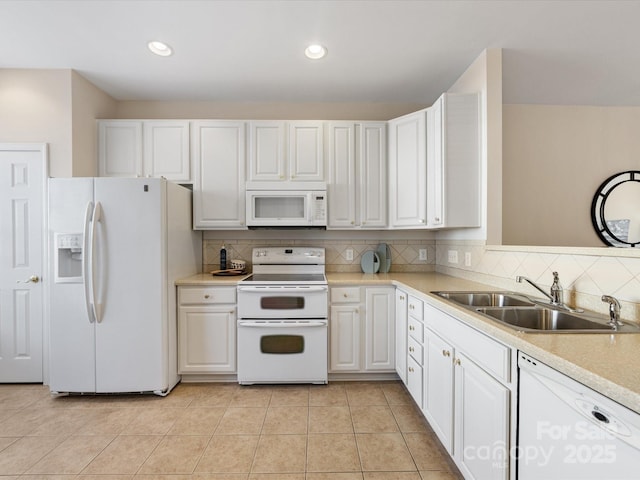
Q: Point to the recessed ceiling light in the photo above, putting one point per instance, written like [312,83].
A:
[160,48]
[315,52]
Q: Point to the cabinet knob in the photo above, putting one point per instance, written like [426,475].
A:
[345,295]
[437,219]
[357,311]
[411,369]
[457,361]
[353,222]
[422,220]
[364,223]
[411,327]
[207,296]
[401,297]
[411,349]
[412,307]
[446,353]
[281,176]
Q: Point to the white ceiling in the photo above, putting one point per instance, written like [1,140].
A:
[554,52]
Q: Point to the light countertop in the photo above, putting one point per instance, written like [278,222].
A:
[609,364]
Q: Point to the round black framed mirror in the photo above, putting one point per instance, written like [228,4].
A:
[615,210]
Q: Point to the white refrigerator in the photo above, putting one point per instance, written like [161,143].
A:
[117,245]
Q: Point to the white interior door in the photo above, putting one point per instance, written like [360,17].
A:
[22,246]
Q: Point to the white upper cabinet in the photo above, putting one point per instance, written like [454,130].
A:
[357,175]
[119,148]
[267,150]
[453,162]
[144,148]
[306,151]
[408,171]
[219,173]
[166,150]
[282,151]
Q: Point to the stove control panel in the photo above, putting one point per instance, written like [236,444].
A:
[288,255]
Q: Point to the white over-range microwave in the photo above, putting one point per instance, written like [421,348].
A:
[287,208]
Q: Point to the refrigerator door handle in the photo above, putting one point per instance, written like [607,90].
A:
[97,217]
[86,261]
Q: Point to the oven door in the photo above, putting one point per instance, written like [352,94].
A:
[282,351]
[295,301]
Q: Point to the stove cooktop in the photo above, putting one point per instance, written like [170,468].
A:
[286,279]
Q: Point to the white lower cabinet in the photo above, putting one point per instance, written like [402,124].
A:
[438,387]
[468,407]
[362,334]
[206,329]
[481,417]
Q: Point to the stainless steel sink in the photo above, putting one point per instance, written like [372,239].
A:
[486,299]
[536,319]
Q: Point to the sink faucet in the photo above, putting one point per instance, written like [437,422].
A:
[614,311]
[555,297]
[555,294]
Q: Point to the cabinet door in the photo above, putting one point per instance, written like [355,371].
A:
[267,151]
[342,175]
[481,422]
[401,335]
[415,379]
[372,175]
[438,387]
[219,178]
[207,339]
[119,148]
[379,329]
[408,171]
[166,150]
[306,151]
[344,332]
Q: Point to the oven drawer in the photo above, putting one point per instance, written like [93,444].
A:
[283,302]
[206,295]
[345,295]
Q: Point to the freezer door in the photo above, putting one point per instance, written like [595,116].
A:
[72,334]
[130,273]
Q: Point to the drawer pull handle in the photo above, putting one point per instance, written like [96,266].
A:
[207,296]
[446,353]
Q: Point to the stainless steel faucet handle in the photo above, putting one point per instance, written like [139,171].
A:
[614,309]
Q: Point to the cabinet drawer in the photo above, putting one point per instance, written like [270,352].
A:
[415,306]
[415,351]
[415,381]
[345,295]
[416,330]
[206,295]
[491,355]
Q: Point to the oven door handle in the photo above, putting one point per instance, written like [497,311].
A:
[300,323]
[276,289]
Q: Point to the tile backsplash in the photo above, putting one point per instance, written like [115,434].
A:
[405,254]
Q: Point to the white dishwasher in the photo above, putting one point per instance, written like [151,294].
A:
[568,431]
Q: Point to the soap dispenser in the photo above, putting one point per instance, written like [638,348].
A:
[223,258]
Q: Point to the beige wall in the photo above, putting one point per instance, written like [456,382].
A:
[265,110]
[35,107]
[88,103]
[555,157]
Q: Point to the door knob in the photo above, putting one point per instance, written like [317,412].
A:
[31,279]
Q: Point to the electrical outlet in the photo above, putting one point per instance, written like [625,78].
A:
[467,259]
[349,254]
[452,256]
[422,254]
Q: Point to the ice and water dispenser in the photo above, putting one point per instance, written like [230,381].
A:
[68,261]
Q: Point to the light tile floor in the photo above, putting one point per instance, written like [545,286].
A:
[341,431]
